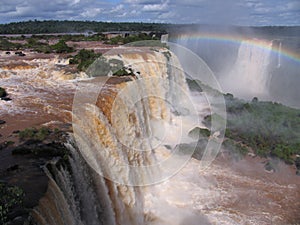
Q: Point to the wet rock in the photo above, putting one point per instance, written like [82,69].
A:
[7,99]
[5,144]
[12,168]
[40,149]
[3,93]
[18,220]
[269,167]
[297,163]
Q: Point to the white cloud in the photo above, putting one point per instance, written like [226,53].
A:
[142,2]
[156,7]
[118,8]
[122,15]
[240,12]
[91,13]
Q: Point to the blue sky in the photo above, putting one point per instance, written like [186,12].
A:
[236,12]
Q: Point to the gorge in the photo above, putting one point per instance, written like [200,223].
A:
[130,151]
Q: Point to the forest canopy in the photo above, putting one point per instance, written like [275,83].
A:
[56,26]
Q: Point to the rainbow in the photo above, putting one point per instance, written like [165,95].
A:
[238,39]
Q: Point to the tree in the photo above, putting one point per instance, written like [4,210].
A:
[62,47]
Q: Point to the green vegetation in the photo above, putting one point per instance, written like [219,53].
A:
[35,43]
[34,134]
[82,37]
[270,129]
[62,47]
[198,132]
[55,26]
[131,38]
[236,149]
[198,86]
[84,58]
[194,85]
[10,197]
[104,67]
[271,166]
[3,92]
[123,72]
[41,142]
[6,45]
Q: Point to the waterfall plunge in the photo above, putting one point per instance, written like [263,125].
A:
[249,75]
[121,136]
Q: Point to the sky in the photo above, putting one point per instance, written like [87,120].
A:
[229,12]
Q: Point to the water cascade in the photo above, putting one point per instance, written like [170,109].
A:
[75,195]
[279,55]
[121,128]
[249,75]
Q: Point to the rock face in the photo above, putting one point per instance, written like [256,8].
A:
[21,171]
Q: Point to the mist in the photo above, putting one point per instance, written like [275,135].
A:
[249,61]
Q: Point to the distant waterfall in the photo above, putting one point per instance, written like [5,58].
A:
[279,55]
[249,75]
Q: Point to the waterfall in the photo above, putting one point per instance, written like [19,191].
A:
[249,75]
[121,132]
[76,195]
[279,55]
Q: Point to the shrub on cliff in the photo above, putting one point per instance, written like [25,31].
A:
[35,134]
[84,58]
[62,47]
[3,92]
[41,142]
[10,197]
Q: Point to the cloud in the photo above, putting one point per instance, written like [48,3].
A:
[155,7]
[293,6]
[143,2]
[118,8]
[238,12]
[91,13]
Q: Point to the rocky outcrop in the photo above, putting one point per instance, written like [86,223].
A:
[22,179]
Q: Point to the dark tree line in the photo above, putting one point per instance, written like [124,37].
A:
[55,26]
